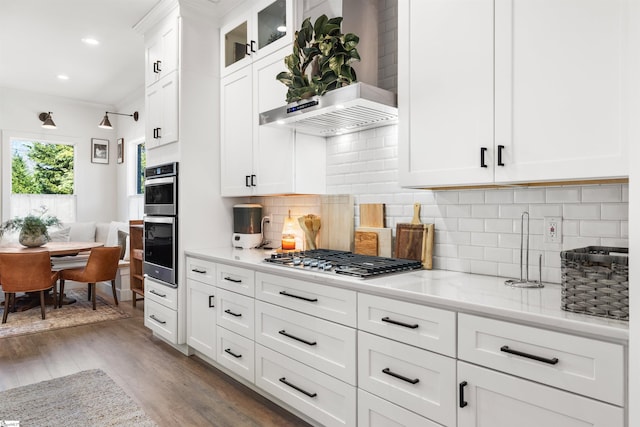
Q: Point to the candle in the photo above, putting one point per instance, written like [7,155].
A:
[288,243]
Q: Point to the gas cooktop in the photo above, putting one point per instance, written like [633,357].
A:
[342,262]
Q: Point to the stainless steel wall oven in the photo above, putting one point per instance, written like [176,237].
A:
[161,223]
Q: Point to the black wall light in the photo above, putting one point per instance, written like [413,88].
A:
[47,121]
[106,124]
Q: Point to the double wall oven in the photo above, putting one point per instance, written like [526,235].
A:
[161,223]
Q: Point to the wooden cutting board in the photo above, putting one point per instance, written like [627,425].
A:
[337,216]
[366,243]
[372,215]
[384,239]
[415,240]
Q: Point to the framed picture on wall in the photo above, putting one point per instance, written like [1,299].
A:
[120,150]
[99,150]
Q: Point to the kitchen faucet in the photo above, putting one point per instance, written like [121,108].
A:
[524,282]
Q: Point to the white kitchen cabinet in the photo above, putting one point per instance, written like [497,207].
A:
[265,28]
[161,50]
[162,111]
[201,317]
[236,353]
[526,91]
[262,160]
[376,412]
[491,399]
[161,309]
[236,312]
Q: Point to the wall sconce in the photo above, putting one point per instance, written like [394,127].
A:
[47,121]
[106,124]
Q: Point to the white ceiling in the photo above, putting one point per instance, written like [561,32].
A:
[40,39]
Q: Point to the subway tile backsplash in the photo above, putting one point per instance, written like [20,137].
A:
[477,230]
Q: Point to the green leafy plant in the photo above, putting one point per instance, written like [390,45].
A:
[33,225]
[320,60]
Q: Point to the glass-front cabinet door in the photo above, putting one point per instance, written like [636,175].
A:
[265,28]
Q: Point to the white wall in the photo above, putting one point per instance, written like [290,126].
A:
[77,122]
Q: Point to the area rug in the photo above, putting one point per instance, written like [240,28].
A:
[87,398]
[78,313]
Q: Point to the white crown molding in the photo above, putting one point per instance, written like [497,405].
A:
[155,15]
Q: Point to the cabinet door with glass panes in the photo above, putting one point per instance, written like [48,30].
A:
[261,30]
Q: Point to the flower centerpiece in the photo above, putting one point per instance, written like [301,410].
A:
[33,228]
[321,59]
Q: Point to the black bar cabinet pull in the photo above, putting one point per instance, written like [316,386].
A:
[253,180]
[396,322]
[506,349]
[286,294]
[197,270]
[293,337]
[461,387]
[500,148]
[211,301]
[229,279]
[232,313]
[482,162]
[155,133]
[162,322]
[400,377]
[246,181]
[155,66]
[158,67]
[153,291]
[228,350]
[295,387]
[246,49]
[158,134]
[253,43]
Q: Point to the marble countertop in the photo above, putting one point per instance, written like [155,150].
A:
[469,293]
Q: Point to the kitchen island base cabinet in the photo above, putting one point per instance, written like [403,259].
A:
[326,399]
[236,353]
[492,399]
[376,412]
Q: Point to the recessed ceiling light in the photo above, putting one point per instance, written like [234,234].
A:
[91,41]
[63,77]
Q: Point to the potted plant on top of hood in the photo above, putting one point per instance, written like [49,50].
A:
[33,228]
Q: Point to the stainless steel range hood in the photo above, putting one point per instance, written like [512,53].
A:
[352,108]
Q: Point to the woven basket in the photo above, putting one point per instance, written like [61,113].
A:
[596,283]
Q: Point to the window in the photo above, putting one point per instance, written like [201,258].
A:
[135,177]
[42,174]
[141,164]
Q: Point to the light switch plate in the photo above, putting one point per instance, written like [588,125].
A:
[552,229]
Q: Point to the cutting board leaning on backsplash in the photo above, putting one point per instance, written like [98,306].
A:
[336,215]
[415,240]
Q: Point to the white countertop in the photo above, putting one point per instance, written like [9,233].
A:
[469,293]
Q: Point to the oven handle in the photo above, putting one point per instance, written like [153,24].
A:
[159,219]
[159,181]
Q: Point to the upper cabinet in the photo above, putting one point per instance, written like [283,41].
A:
[161,51]
[265,28]
[511,91]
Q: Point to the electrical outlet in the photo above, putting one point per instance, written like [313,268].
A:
[552,229]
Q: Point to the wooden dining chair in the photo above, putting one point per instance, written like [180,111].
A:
[26,272]
[101,266]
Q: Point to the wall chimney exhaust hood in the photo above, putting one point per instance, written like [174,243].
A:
[352,108]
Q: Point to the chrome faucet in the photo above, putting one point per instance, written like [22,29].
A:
[524,282]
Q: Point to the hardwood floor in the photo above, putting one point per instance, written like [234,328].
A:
[171,388]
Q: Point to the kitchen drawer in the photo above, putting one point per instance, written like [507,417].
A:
[236,353]
[162,294]
[494,399]
[335,304]
[235,312]
[161,320]
[325,399]
[201,270]
[429,328]
[416,379]
[584,366]
[323,345]
[236,279]
[376,412]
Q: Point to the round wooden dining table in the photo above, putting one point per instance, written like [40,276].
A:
[55,249]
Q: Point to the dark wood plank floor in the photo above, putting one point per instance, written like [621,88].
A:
[174,390]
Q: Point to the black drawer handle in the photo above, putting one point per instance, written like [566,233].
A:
[395,322]
[246,180]
[197,270]
[295,387]
[253,180]
[162,322]
[282,332]
[286,294]
[228,350]
[506,349]
[158,66]
[229,279]
[246,49]
[483,164]
[461,387]
[153,291]
[253,43]
[400,377]
[500,148]
[211,301]
[232,313]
